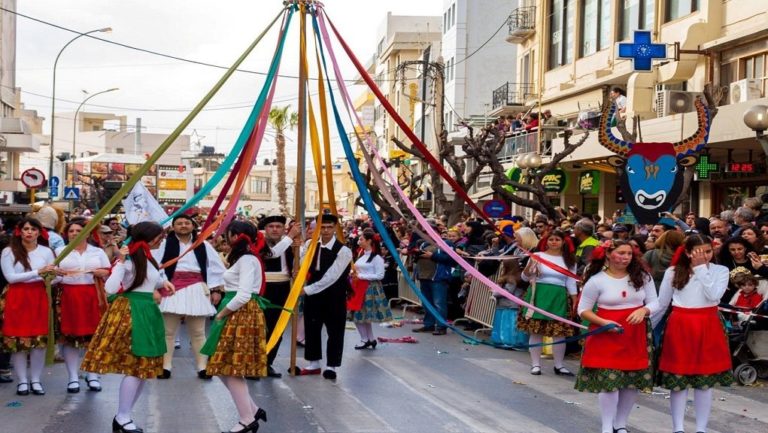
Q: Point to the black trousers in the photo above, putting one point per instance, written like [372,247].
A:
[327,308]
[276,293]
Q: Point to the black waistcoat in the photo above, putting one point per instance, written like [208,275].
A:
[272,264]
[173,249]
[327,257]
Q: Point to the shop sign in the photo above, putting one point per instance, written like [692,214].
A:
[515,175]
[589,182]
[555,181]
[496,208]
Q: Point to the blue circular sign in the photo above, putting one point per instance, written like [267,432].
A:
[496,208]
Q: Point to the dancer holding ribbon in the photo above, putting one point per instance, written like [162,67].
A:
[80,302]
[694,348]
[549,291]
[236,344]
[130,339]
[26,311]
[193,276]
[370,303]
[616,364]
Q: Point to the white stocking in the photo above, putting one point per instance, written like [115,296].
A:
[369,332]
[238,389]
[36,364]
[608,402]
[627,399]
[19,360]
[72,360]
[130,389]
[362,331]
[677,400]
[558,353]
[702,403]
[535,351]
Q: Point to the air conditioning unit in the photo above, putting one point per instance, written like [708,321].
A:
[669,102]
[745,90]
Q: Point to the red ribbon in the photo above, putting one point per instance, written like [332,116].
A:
[141,245]
[678,253]
[17,231]
[44,233]
[256,247]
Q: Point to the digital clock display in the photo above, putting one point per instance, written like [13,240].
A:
[740,167]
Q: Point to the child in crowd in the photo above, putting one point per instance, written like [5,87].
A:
[505,330]
[747,298]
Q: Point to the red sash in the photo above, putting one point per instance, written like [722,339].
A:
[359,287]
[694,343]
[80,312]
[625,351]
[183,279]
[26,310]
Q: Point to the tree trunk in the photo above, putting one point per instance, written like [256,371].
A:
[282,193]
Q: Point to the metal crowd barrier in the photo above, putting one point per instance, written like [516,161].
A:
[406,293]
[481,305]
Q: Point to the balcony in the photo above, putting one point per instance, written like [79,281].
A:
[517,144]
[512,94]
[522,24]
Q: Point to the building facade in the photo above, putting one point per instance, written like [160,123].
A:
[568,48]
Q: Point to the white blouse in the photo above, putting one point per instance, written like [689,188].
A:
[14,272]
[707,285]
[244,277]
[80,266]
[551,276]
[617,294]
[370,271]
[123,274]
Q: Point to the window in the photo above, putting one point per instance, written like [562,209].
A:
[453,14]
[635,15]
[119,150]
[445,22]
[754,67]
[680,8]
[561,26]
[260,185]
[596,26]
[450,18]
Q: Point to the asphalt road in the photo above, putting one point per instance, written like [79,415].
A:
[439,384]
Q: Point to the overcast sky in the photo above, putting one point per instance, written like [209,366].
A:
[212,32]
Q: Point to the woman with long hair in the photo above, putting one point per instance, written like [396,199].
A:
[130,338]
[25,261]
[617,364]
[753,235]
[369,268]
[236,344]
[737,252]
[660,256]
[550,290]
[694,348]
[79,310]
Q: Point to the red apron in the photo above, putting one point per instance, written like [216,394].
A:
[626,351]
[359,287]
[80,313]
[26,310]
[694,343]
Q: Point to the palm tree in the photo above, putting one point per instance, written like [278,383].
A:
[280,119]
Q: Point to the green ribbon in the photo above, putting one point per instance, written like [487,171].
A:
[128,186]
[217,326]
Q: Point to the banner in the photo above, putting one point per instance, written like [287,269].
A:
[589,182]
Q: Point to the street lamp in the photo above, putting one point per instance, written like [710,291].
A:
[74,128]
[756,119]
[53,93]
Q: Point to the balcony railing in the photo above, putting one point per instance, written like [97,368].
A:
[522,24]
[517,144]
[511,94]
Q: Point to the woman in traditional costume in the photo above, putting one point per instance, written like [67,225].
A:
[370,303]
[236,343]
[550,290]
[26,309]
[694,348]
[130,339]
[80,302]
[618,363]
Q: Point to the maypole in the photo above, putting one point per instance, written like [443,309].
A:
[301,162]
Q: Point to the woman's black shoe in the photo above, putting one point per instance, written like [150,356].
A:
[39,390]
[166,374]
[373,344]
[203,375]
[24,391]
[261,414]
[562,371]
[73,389]
[365,345]
[120,428]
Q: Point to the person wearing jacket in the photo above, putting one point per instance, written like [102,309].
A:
[434,273]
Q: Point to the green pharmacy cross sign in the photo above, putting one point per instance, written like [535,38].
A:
[704,168]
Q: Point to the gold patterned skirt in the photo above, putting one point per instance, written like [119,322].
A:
[241,350]
[110,348]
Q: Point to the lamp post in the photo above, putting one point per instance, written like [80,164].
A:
[756,119]
[53,93]
[74,128]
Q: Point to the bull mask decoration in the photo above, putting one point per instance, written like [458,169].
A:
[651,174]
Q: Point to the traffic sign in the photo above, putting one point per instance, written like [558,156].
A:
[496,208]
[53,182]
[53,191]
[33,178]
[71,193]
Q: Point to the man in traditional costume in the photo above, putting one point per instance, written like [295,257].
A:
[193,276]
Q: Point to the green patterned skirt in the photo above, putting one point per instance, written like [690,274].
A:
[375,307]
